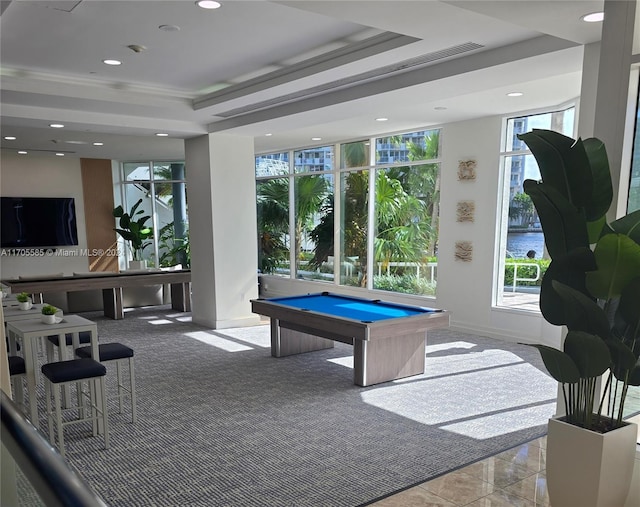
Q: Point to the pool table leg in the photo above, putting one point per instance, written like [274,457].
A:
[286,342]
[381,360]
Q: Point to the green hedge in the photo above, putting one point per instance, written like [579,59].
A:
[525,271]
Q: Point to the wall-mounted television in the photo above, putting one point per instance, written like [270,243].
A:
[28,222]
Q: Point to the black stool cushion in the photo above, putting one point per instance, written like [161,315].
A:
[75,369]
[83,337]
[16,365]
[108,351]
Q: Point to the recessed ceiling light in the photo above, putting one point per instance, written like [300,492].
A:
[98,144]
[515,94]
[10,138]
[162,134]
[56,125]
[169,28]
[137,48]
[382,119]
[593,17]
[316,138]
[269,134]
[112,62]
[208,4]
[59,154]
[22,152]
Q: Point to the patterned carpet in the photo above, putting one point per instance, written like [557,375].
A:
[222,423]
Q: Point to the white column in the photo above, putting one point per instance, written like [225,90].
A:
[222,229]
[605,92]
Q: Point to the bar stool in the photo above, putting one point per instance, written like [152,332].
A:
[17,368]
[54,341]
[76,371]
[119,353]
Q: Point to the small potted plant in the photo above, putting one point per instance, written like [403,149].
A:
[24,301]
[49,314]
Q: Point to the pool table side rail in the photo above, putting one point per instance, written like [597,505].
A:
[343,329]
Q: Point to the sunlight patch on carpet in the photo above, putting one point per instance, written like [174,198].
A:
[255,336]
[158,322]
[430,349]
[442,396]
[218,341]
[505,422]
[453,361]
[346,361]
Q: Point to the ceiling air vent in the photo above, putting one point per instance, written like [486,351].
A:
[59,5]
[371,75]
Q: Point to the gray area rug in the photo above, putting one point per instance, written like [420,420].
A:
[222,423]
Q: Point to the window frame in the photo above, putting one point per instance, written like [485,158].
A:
[152,181]
[337,171]
[503,196]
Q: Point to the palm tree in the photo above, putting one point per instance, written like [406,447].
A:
[311,192]
[401,222]
[522,207]
[355,203]
[423,182]
[273,223]
[406,204]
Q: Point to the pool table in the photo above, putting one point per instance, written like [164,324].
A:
[388,338]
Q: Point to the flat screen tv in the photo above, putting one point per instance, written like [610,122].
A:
[30,222]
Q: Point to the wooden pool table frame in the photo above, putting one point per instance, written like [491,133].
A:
[384,350]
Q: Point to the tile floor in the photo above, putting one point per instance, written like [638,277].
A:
[514,478]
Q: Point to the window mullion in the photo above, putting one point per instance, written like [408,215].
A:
[371,227]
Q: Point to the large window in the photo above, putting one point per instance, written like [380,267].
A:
[633,202]
[386,233]
[162,188]
[406,212]
[272,192]
[523,259]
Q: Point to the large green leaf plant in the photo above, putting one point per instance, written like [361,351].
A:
[133,228]
[592,285]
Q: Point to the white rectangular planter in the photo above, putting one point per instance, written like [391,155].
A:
[135,265]
[589,469]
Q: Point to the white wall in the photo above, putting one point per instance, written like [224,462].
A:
[44,176]
[464,288]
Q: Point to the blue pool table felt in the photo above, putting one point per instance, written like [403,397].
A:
[365,310]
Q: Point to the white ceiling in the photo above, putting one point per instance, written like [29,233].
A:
[294,69]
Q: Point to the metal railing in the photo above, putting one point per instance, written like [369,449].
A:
[431,266]
[51,477]
[516,278]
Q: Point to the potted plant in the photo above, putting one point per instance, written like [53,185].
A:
[49,314]
[592,287]
[133,229]
[24,301]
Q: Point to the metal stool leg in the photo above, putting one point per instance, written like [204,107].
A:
[57,400]
[132,383]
